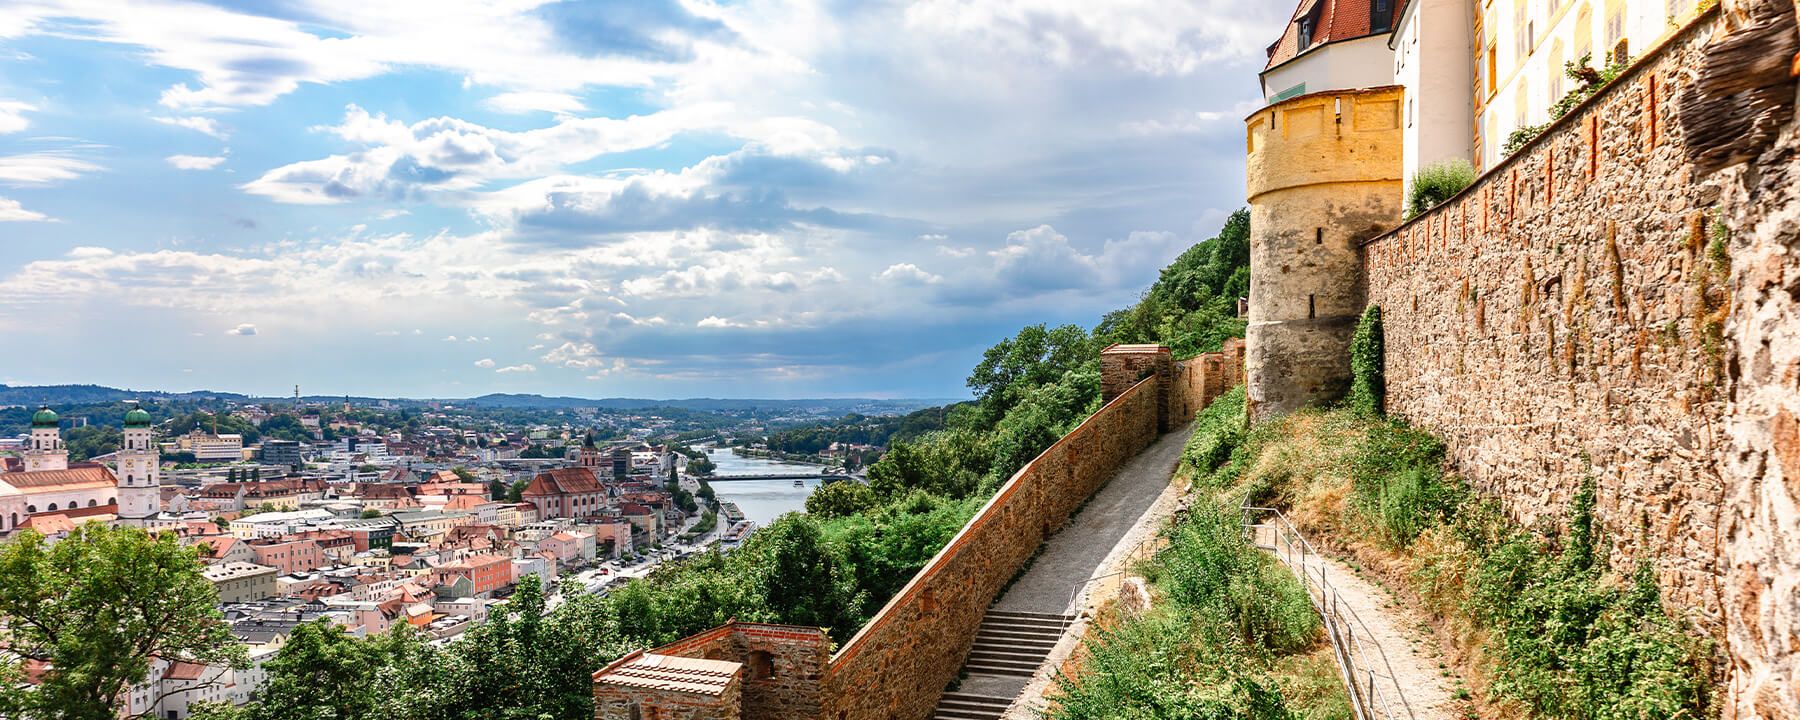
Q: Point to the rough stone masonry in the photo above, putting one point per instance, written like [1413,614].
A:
[1621,300]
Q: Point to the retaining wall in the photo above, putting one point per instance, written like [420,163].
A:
[1578,312]
[898,665]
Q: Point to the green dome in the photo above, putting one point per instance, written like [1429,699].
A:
[137,418]
[44,418]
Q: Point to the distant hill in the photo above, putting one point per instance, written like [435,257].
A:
[79,394]
[706,404]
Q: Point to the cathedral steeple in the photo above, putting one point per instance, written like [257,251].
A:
[46,450]
[140,472]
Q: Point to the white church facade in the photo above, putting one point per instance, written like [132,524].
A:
[52,492]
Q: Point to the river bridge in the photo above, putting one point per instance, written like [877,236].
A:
[789,476]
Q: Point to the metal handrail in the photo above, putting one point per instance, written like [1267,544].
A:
[1369,698]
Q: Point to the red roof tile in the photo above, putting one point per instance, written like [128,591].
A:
[667,672]
[563,481]
[1333,21]
[77,477]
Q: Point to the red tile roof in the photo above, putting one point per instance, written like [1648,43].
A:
[80,476]
[183,670]
[563,481]
[385,492]
[1334,20]
[667,672]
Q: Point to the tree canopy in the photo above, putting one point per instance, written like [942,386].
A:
[97,607]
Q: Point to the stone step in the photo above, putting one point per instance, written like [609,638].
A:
[1021,636]
[995,667]
[1054,625]
[965,706]
[1030,615]
[1021,628]
[1007,654]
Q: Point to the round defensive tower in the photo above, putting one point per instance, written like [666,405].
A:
[1324,175]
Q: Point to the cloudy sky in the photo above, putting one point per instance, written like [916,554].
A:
[651,198]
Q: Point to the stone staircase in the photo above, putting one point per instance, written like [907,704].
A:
[1012,644]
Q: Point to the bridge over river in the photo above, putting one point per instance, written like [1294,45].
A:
[788,476]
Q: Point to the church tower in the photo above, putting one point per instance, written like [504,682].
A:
[46,451]
[140,483]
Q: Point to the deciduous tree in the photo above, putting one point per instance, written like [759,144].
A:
[97,607]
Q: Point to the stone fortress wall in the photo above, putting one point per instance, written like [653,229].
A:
[1614,302]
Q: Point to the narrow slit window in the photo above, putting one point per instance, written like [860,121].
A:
[1319,236]
[1312,307]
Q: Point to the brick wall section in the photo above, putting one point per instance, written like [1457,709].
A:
[1192,384]
[1561,318]
[1201,379]
[788,686]
[898,665]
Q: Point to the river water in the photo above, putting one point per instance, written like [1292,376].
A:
[761,500]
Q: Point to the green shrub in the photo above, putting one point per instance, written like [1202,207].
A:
[1368,383]
[1521,137]
[1154,668]
[1204,652]
[1253,599]
[1218,430]
[1592,81]
[1434,184]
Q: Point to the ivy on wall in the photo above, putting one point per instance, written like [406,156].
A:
[1368,387]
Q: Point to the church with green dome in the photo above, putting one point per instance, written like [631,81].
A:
[50,494]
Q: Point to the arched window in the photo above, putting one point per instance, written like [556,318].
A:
[91,502]
[1615,25]
[15,520]
[30,508]
[52,507]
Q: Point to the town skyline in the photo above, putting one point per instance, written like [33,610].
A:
[673,199]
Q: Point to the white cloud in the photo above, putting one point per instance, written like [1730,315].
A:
[42,168]
[524,102]
[714,321]
[194,162]
[1150,37]
[451,338]
[525,368]
[11,211]
[584,356]
[448,155]
[12,116]
[907,274]
[484,363]
[618,366]
[196,123]
[242,329]
[90,252]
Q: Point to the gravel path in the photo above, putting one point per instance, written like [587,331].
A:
[1425,680]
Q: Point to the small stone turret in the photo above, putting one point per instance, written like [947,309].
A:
[1324,175]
